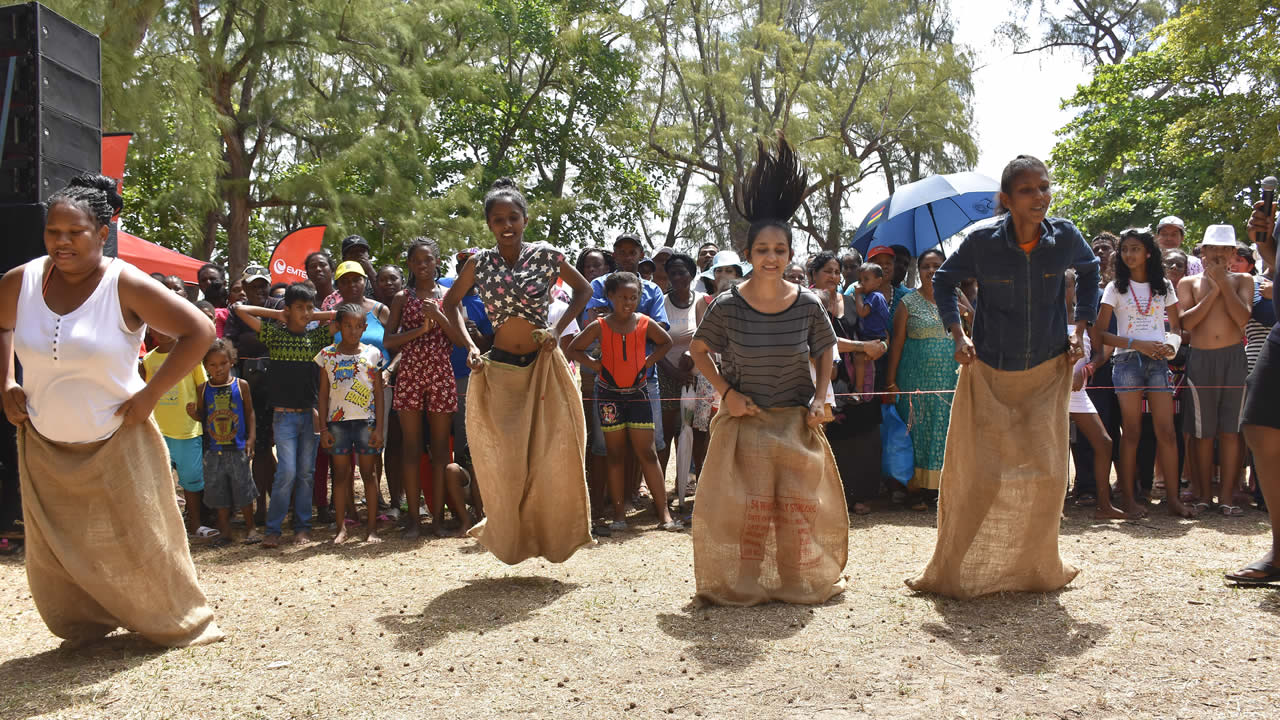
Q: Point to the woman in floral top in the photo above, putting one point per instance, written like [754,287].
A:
[515,281]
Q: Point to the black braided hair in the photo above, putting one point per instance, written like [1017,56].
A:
[504,188]
[95,194]
[773,190]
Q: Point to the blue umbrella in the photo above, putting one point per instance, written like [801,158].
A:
[922,214]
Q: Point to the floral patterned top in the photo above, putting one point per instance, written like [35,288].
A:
[521,290]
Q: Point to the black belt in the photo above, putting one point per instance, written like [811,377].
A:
[507,358]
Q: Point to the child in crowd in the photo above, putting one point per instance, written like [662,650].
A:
[1085,415]
[181,433]
[225,408]
[208,309]
[1218,305]
[1142,299]
[873,316]
[351,405]
[622,397]
[425,384]
[292,377]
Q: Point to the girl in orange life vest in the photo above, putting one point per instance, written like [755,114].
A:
[622,397]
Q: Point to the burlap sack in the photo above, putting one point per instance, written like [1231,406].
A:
[106,547]
[528,441]
[770,523]
[1004,477]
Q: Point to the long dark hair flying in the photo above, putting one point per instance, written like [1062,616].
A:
[772,191]
[1155,263]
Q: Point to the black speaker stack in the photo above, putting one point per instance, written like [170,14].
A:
[50,119]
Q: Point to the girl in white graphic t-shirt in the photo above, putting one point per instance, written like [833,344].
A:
[1141,299]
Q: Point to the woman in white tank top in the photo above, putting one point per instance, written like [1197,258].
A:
[685,307]
[86,441]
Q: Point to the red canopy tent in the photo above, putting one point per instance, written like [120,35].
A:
[146,256]
[150,258]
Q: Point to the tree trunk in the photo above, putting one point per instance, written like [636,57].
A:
[673,227]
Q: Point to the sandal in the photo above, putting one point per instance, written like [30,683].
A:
[220,541]
[1270,574]
[1232,510]
[252,538]
[1087,500]
[204,532]
[672,525]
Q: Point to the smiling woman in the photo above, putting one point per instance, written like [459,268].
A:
[525,422]
[770,523]
[75,320]
[1004,472]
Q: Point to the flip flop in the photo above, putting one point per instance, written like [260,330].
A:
[1232,510]
[1272,574]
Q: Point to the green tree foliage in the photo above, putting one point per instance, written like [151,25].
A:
[390,118]
[860,87]
[1186,128]
[1103,32]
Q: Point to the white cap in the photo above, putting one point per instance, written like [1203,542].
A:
[1173,220]
[1219,236]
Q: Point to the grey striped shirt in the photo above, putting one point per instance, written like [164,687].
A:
[765,356]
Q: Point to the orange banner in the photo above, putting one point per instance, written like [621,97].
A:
[288,260]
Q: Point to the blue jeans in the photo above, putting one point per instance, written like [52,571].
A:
[296,442]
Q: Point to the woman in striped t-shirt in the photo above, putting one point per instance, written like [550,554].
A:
[770,522]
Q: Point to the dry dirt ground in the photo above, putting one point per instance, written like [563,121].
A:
[442,629]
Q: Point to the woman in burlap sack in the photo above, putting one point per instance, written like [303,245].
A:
[106,547]
[770,523]
[525,422]
[1004,471]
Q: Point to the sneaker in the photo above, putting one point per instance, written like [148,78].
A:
[601,531]
[394,514]
[672,526]
[618,525]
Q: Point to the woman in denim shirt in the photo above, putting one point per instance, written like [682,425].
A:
[1004,473]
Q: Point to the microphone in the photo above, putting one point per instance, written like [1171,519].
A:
[1268,198]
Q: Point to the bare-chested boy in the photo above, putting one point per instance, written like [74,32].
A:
[1216,306]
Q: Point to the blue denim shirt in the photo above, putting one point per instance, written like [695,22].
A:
[1021,315]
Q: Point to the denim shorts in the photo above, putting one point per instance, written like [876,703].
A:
[1134,372]
[351,436]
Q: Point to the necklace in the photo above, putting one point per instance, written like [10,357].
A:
[1142,309]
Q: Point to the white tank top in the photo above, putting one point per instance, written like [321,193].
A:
[683,322]
[78,368]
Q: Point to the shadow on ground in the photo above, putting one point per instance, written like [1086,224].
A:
[479,606]
[57,679]
[733,638]
[1026,632]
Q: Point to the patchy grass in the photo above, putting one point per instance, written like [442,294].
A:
[442,629]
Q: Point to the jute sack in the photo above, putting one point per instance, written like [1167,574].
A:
[1004,477]
[528,441]
[106,547]
[770,523]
